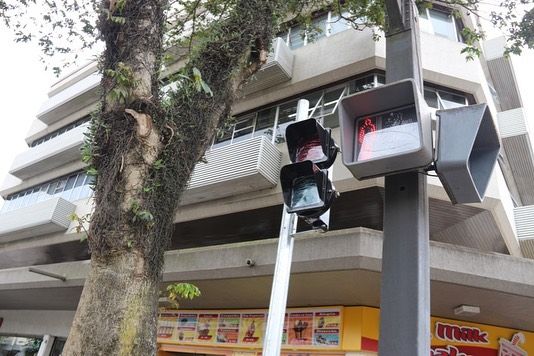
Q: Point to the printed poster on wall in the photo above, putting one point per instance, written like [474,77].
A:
[228,329]
[326,328]
[206,327]
[314,327]
[187,324]
[300,326]
[167,325]
[252,327]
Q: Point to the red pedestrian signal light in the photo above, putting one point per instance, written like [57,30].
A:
[385,130]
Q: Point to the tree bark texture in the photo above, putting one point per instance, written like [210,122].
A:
[144,154]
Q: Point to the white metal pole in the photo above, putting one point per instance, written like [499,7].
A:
[272,342]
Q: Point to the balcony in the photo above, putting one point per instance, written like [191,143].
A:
[239,168]
[277,69]
[71,99]
[49,155]
[39,219]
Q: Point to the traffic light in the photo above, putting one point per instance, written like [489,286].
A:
[306,188]
[468,147]
[385,130]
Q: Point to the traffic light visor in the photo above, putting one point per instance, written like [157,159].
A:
[309,140]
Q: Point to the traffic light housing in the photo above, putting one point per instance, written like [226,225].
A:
[468,147]
[306,187]
[309,140]
[385,130]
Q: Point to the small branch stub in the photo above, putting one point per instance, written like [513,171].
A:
[144,122]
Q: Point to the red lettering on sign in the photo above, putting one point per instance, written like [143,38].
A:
[458,333]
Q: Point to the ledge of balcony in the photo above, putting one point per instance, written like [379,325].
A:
[242,167]
[39,219]
[78,95]
[49,155]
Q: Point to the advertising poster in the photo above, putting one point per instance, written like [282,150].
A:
[300,328]
[252,326]
[167,325]
[207,327]
[284,331]
[187,324]
[326,328]
[228,329]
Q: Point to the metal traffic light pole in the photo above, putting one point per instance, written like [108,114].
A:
[405,291]
[277,307]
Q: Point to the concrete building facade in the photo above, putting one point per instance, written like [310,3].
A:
[481,254]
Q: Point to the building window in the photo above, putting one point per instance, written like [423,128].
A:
[443,99]
[441,22]
[60,131]
[72,187]
[324,25]
[272,121]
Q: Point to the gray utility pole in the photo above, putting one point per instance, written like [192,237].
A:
[272,343]
[405,292]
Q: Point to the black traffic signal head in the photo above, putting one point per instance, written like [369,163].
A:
[306,188]
[309,140]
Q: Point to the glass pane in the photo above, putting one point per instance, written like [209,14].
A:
[68,187]
[338,24]
[330,100]
[223,136]
[51,189]
[361,84]
[442,24]
[288,112]
[265,122]
[313,99]
[242,135]
[449,100]
[19,346]
[431,98]
[318,28]
[304,193]
[286,115]
[43,193]
[60,186]
[75,195]
[245,122]
[86,189]
[380,79]
[296,37]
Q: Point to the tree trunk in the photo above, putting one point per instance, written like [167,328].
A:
[143,156]
[117,313]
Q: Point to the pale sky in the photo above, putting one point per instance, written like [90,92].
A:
[24,85]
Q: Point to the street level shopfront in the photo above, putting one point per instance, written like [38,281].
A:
[323,331]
